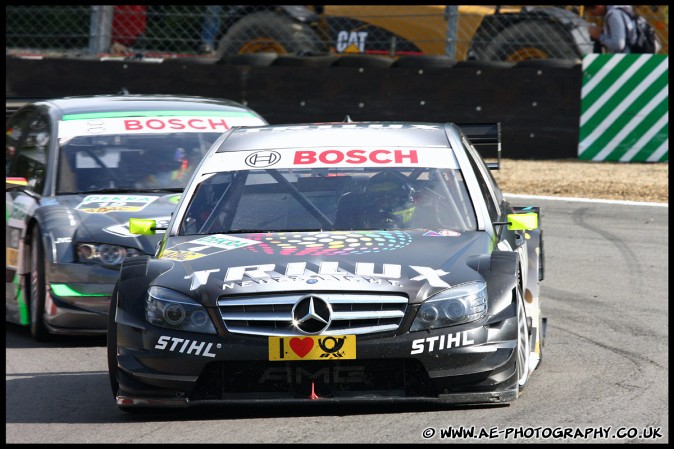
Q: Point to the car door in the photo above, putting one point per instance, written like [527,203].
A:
[497,207]
[26,149]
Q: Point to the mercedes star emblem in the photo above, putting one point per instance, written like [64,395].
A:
[312,315]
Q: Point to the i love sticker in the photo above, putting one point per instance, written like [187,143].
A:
[312,347]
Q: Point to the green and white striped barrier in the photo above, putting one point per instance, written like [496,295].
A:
[624,108]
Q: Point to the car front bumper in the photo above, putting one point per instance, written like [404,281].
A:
[78,299]
[163,368]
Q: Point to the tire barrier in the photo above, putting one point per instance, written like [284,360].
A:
[477,64]
[425,61]
[305,61]
[362,61]
[549,63]
[262,59]
[538,103]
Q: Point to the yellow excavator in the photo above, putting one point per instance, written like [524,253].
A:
[464,32]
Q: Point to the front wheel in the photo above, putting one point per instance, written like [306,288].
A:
[112,350]
[38,290]
[523,343]
[112,343]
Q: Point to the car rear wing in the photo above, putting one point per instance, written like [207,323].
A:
[486,138]
[13,104]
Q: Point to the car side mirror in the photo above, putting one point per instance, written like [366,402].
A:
[142,226]
[519,222]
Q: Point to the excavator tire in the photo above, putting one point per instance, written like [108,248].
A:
[529,40]
[269,31]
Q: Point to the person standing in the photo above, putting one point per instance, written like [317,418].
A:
[210,28]
[618,30]
[128,26]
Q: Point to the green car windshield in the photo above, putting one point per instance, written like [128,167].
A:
[139,162]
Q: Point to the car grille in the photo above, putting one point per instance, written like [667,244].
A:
[352,313]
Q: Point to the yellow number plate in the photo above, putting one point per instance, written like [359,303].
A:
[312,348]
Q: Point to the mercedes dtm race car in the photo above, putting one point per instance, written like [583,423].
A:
[76,170]
[333,262]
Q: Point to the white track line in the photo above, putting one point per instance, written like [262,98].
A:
[588,200]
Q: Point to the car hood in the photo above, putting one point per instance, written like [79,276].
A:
[104,218]
[417,263]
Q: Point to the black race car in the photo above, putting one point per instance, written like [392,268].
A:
[76,170]
[370,261]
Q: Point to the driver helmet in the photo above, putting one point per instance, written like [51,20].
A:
[175,162]
[391,197]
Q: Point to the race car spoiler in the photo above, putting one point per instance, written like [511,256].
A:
[13,104]
[486,138]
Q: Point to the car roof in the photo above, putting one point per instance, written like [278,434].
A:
[339,134]
[120,103]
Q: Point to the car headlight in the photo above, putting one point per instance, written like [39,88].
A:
[172,310]
[104,253]
[460,304]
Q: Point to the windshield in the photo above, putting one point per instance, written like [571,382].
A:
[282,200]
[138,162]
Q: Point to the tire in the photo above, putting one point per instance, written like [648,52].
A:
[529,40]
[363,61]
[305,61]
[424,61]
[479,64]
[263,59]
[269,32]
[112,343]
[38,289]
[553,63]
[523,343]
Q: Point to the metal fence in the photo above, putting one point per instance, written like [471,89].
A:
[459,32]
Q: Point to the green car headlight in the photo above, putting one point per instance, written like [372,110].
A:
[172,310]
[104,253]
[458,305]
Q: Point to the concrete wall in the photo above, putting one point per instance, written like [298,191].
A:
[537,102]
